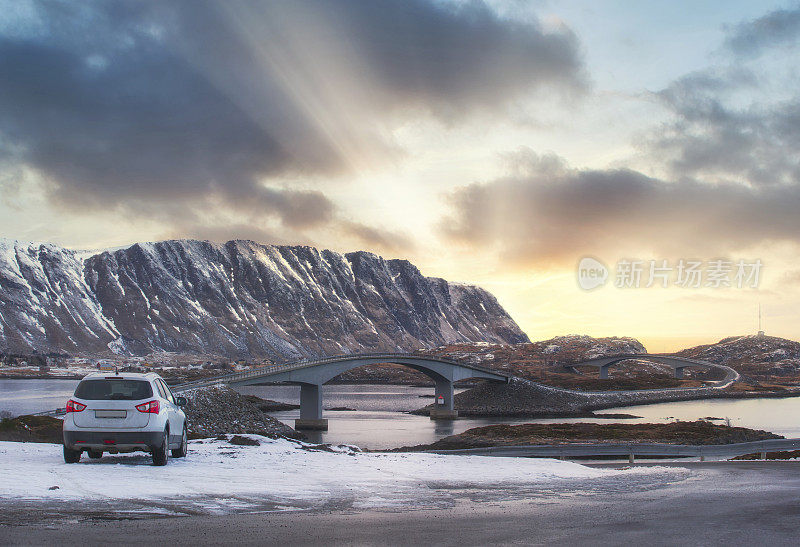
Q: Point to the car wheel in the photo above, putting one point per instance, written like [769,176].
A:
[180,452]
[71,456]
[161,453]
[95,454]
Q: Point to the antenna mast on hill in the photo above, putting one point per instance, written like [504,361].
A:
[760,330]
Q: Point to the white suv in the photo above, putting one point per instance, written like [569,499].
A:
[124,413]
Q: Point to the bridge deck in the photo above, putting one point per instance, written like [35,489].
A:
[270,370]
[677,363]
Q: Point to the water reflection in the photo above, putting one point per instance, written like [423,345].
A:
[381,420]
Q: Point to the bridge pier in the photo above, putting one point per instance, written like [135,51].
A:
[444,389]
[604,372]
[311,408]
[311,375]
[679,372]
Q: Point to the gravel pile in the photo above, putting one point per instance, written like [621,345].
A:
[520,398]
[217,410]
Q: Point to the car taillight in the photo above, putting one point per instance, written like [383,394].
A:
[75,406]
[148,407]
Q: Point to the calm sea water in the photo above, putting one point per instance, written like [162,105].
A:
[27,396]
[380,420]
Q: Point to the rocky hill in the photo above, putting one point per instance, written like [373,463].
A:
[238,300]
[518,359]
[758,358]
[540,361]
[766,363]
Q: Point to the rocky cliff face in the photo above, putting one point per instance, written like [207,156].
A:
[45,302]
[238,299]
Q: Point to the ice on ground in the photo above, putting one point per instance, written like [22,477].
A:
[281,471]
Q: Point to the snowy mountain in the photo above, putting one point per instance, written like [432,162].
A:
[238,299]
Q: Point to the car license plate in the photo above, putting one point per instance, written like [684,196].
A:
[110,413]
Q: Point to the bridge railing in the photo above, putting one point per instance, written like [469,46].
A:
[731,375]
[269,369]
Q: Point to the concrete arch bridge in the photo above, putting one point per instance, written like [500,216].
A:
[678,364]
[311,375]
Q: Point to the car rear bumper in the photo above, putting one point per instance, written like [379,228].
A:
[113,441]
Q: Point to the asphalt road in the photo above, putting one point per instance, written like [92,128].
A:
[719,503]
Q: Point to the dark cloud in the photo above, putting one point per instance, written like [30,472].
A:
[777,28]
[549,213]
[452,59]
[717,137]
[729,146]
[738,122]
[145,105]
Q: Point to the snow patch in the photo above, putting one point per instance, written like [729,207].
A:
[281,470]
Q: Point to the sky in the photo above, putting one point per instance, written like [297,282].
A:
[489,142]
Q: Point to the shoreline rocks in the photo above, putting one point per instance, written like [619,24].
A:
[268,405]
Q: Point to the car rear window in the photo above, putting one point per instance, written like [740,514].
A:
[113,389]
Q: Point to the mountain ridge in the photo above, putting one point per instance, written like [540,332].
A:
[234,299]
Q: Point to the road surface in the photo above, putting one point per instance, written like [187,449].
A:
[720,503]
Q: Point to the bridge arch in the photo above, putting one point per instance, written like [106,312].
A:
[312,375]
[678,364]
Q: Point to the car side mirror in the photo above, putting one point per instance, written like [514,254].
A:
[181,401]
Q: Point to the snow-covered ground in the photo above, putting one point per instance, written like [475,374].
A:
[289,474]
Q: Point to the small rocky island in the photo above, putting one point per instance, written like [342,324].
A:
[700,432]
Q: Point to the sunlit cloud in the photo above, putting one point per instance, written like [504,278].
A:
[163,109]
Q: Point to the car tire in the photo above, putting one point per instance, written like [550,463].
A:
[95,454]
[161,453]
[71,456]
[180,452]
